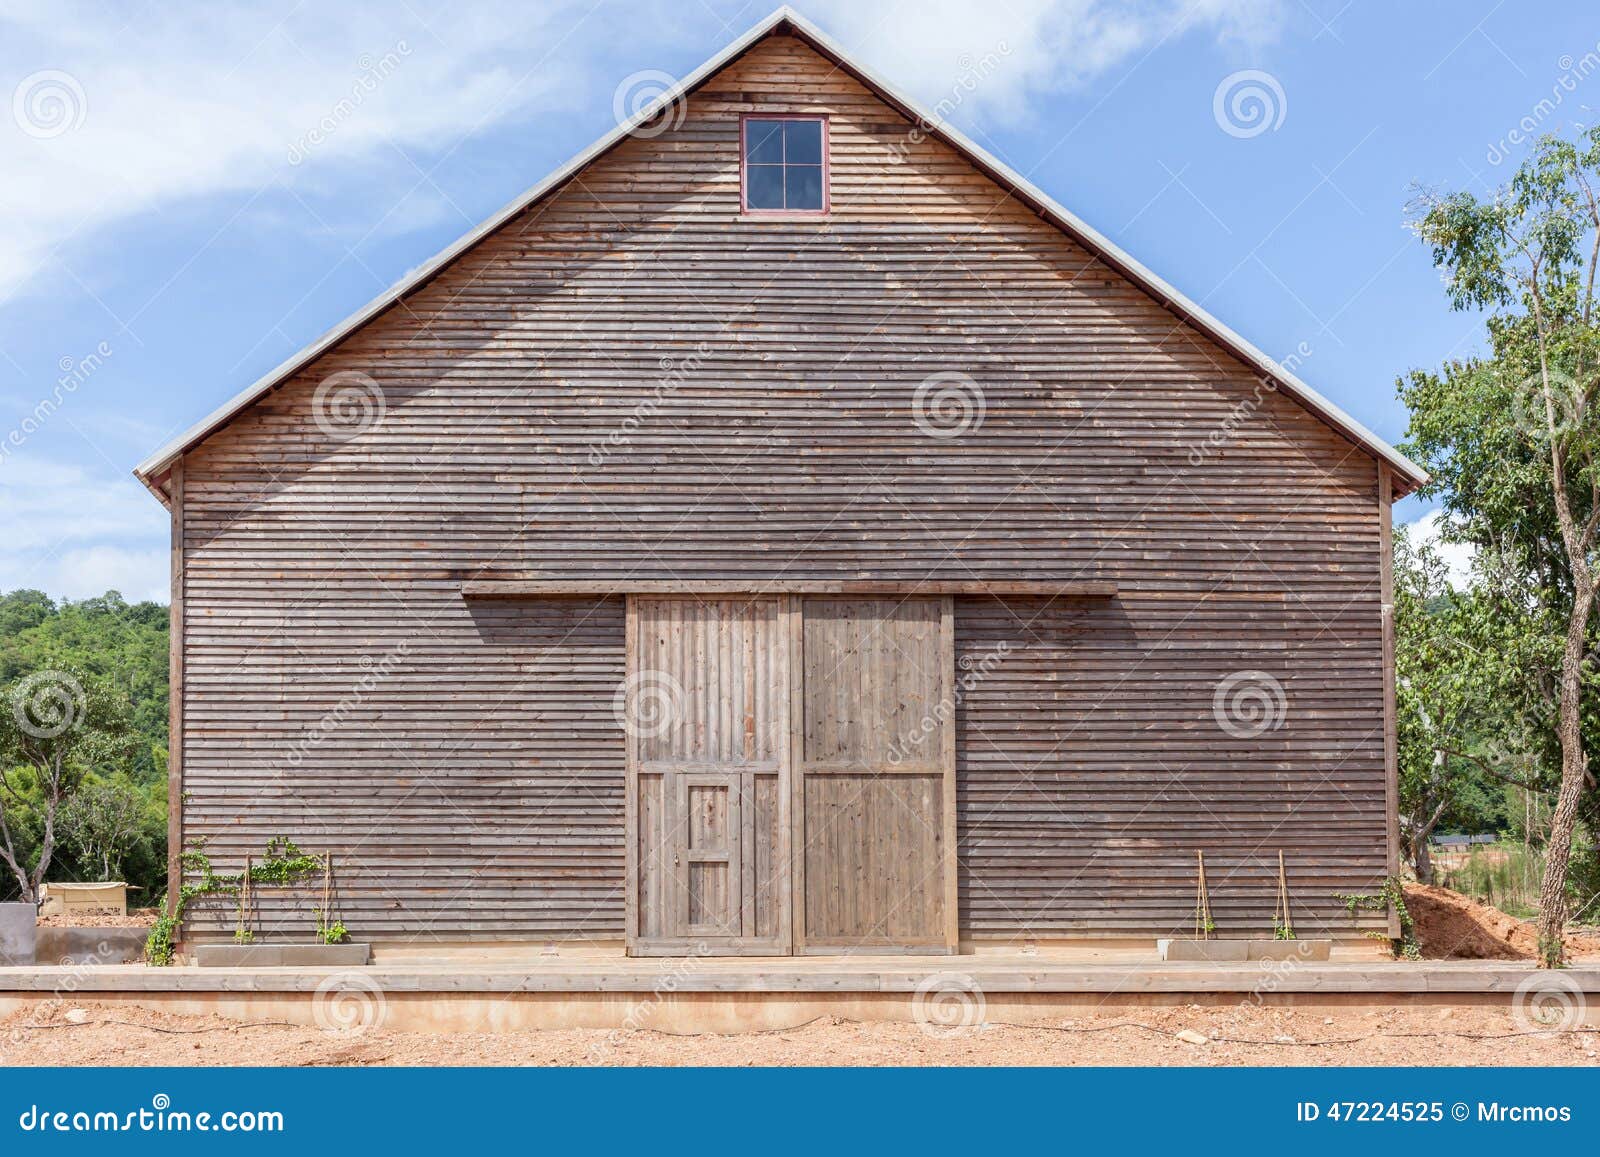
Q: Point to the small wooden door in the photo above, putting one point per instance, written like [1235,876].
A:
[705,711]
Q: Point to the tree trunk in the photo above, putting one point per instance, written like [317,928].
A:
[1422,861]
[1574,772]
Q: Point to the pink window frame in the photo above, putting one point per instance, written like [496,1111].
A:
[827,169]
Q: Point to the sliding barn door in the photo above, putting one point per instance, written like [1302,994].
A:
[706,713]
[874,773]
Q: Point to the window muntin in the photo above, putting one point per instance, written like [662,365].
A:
[785,164]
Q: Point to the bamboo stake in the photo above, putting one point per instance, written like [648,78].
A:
[1202,906]
[1281,914]
[245,899]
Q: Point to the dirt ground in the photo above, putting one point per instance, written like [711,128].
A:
[108,1035]
[100,918]
[1450,926]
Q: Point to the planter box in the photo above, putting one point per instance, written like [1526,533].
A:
[90,945]
[18,923]
[1237,951]
[282,955]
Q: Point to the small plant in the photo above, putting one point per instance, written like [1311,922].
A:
[1391,894]
[1282,931]
[243,936]
[330,929]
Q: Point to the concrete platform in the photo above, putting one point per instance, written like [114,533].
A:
[726,995]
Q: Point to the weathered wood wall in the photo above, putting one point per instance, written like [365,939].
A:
[629,380]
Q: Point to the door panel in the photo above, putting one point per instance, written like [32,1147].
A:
[791,766]
[875,774]
[706,713]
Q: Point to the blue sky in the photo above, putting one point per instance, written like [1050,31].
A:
[173,222]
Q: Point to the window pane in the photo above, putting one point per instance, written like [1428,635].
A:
[763,142]
[803,187]
[802,142]
[763,186]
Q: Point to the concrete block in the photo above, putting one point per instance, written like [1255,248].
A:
[90,945]
[1207,950]
[1302,950]
[282,955]
[1236,951]
[18,923]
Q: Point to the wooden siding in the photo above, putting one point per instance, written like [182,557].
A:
[1092,763]
[631,383]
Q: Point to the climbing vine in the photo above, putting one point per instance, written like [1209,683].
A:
[1391,893]
[283,864]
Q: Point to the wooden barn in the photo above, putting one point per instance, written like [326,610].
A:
[785,530]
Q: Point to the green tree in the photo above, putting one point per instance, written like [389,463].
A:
[102,823]
[55,728]
[1511,438]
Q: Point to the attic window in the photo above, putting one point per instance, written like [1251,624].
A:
[785,165]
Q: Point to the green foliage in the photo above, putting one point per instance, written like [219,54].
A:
[1511,438]
[117,650]
[57,728]
[121,644]
[331,932]
[283,864]
[1391,895]
[1503,875]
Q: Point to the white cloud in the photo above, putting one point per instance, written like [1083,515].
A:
[1457,556]
[171,102]
[1040,46]
[69,532]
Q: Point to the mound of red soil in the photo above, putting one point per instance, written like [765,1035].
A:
[1450,926]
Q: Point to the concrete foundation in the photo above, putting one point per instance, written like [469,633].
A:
[90,945]
[741,995]
[17,926]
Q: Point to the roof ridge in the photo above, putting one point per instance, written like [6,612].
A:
[1411,475]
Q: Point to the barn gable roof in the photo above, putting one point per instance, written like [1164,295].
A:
[1407,475]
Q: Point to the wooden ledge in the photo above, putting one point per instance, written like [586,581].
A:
[511,588]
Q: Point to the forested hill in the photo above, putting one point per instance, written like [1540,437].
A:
[121,642]
[123,645]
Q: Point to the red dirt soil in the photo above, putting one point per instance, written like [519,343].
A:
[63,1033]
[1450,926]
